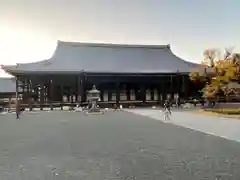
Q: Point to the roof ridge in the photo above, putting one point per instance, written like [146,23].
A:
[97,44]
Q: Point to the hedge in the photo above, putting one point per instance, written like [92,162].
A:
[230,111]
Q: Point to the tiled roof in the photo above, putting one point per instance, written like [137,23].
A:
[112,58]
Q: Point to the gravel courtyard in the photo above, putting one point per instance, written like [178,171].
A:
[117,145]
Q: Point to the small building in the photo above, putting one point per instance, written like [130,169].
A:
[7,91]
[125,74]
[7,87]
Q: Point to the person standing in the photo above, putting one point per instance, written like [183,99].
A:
[17,111]
[167,105]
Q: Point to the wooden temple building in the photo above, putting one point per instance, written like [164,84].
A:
[125,74]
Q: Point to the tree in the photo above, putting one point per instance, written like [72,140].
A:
[218,73]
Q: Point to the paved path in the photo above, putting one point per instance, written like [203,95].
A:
[114,146]
[228,128]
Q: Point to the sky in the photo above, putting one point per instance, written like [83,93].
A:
[29,29]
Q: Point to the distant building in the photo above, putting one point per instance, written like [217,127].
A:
[125,74]
[7,87]
[7,91]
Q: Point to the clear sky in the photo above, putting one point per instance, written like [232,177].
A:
[29,29]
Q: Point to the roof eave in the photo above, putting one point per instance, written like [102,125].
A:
[22,72]
[9,69]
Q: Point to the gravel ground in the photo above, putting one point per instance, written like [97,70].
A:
[117,145]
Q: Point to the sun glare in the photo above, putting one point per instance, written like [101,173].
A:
[23,46]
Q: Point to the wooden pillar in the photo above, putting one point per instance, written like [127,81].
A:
[30,98]
[159,89]
[30,103]
[9,104]
[102,89]
[61,92]
[50,96]
[68,93]
[41,96]
[171,85]
[24,90]
[83,91]
[51,93]
[29,95]
[128,92]
[46,93]
[164,88]
[17,97]
[117,85]
[81,88]
[152,88]
[143,93]
[77,89]
[177,84]
[109,95]
[71,94]
[22,84]
[28,86]
[184,87]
